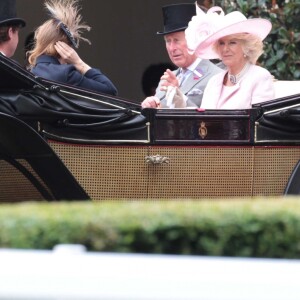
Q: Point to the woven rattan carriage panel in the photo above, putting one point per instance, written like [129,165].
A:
[107,172]
[210,172]
[202,172]
[114,172]
[14,186]
[273,167]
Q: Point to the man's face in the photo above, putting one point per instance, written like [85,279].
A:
[14,40]
[9,47]
[177,49]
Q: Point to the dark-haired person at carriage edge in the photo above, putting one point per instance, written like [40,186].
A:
[9,27]
[192,74]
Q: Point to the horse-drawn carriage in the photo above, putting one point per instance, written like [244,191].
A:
[63,143]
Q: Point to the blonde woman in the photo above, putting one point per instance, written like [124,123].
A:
[237,42]
[54,56]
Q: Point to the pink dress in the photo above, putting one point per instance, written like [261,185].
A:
[255,86]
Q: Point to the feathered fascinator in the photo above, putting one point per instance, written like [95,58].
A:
[66,14]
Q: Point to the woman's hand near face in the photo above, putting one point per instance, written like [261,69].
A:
[69,56]
[67,53]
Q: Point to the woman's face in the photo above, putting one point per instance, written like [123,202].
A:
[231,52]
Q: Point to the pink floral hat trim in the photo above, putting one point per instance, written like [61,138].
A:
[206,28]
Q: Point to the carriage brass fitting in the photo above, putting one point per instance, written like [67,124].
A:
[157,160]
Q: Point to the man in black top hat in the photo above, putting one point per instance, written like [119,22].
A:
[9,27]
[192,74]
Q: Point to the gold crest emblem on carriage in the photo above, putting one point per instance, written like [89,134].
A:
[202,130]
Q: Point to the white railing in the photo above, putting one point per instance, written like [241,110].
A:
[286,88]
[78,275]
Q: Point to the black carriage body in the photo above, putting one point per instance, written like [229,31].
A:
[143,153]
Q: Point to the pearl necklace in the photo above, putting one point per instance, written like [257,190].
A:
[234,79]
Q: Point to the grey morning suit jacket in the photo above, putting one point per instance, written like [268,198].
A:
[193,87]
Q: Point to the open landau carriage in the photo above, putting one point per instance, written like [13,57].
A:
[59,142]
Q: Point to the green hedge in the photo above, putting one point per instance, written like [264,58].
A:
[245,228]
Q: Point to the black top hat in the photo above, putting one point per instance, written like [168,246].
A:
[8,14]
[177,17]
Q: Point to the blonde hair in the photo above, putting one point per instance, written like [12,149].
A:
[251,44]
[62,12]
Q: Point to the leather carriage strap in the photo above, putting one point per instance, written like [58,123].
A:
[123,116]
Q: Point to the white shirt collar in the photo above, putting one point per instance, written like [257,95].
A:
[194,65]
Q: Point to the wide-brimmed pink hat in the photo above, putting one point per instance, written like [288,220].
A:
[205,29]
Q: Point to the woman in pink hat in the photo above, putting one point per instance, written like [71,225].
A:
[237,42]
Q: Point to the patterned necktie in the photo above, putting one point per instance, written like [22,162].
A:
[182,75]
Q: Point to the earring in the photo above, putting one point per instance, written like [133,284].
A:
[245,55]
